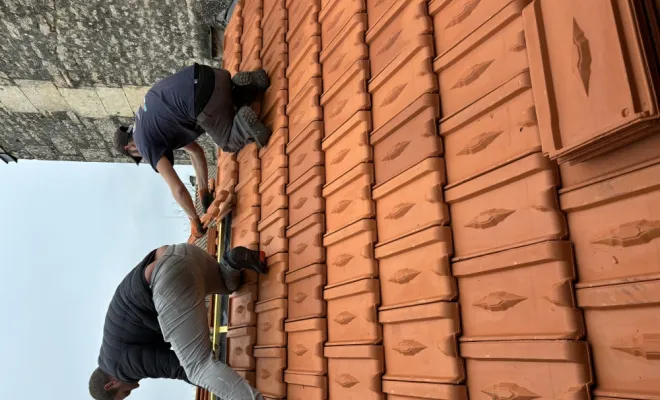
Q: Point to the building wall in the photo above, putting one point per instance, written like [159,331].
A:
[72,70]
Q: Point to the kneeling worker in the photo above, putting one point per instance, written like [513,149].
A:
[157,326]
[180,108]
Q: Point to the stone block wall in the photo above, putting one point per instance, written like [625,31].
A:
[72,70]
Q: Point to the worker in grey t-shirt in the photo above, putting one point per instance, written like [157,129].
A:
[183,106]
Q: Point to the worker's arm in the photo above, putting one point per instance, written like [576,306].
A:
[198,159]
[139,362]
[179,191]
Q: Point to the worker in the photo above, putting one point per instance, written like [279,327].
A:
[156,325]
[180,108]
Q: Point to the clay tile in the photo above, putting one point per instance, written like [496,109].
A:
[305,195]
[334,16]
[407,139]
[306,242]
[489,56]
[349,198]
[250,151]
[297,8]
[496,284]
[390,90]
[415,269]
[308,387]
[306,325]
[213,211]
[270,322]
[450,25]
[419,390]
[347,48]
[206,218]
[346,97]
[305,108]
[352,313]
[484,136]
[420,343]
[542,351]
[348,146]
[520,195]
[355,352]
[240,345]
[376,10]
[536,368]
[590,125]
[615,221]
[272,285]
[273,156]
[617,296]
[305,66]
[305,291]
[244,229]
[273,192]
[304,150]
[303,24]
[354,371]
[274,23]
[271,5]
[403,21]
[622,324]
[350,253]
[272,233]
[274,114]
[412,201]
[241,306]
[249,174]
[305,347]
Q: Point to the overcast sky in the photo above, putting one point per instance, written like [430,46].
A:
[69,233]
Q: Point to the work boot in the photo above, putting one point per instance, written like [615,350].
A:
[243,95]
[233,278]
[248,124]
[257,79]
[240,258]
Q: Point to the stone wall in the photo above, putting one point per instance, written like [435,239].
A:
[72,70]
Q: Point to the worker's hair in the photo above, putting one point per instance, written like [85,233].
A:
[124,136]
[97,383]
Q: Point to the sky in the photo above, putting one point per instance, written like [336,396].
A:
[69,233]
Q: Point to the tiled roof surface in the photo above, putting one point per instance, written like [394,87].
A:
[442,177]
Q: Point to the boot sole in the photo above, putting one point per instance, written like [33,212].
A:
[255,128]
[259,78]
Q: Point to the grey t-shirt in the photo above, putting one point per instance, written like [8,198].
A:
[167,121]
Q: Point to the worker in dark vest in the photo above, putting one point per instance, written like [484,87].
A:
[180,108]
[157,325]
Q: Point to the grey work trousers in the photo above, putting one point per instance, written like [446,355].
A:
[218,118]
[181,280]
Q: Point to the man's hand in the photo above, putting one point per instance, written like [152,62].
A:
[197,228]
[206,220]
[206,197]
